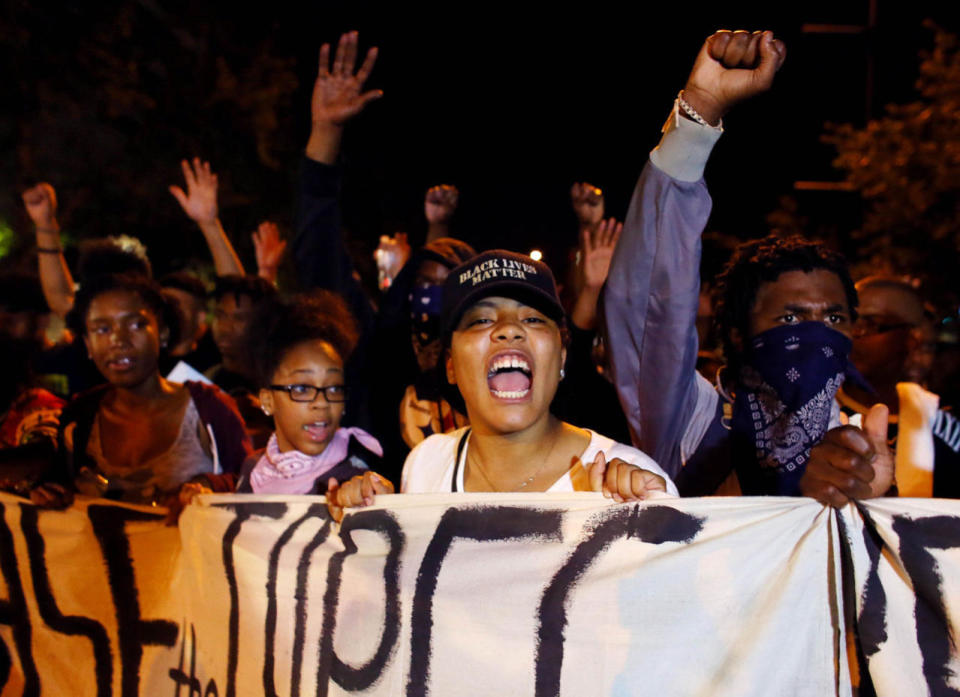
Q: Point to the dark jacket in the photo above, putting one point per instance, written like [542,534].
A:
[216,410]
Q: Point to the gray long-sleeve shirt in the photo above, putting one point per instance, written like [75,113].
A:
[651,298]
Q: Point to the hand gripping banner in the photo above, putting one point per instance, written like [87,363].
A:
[470,594]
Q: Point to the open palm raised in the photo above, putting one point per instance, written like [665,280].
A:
[338,92]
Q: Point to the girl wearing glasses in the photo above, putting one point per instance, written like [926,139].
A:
[299,348]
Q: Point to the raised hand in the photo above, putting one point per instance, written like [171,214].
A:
[596,251]
[200,200]
[338,92]
[440,203]
[269,249]
[621,481]
[587,201]
[850,463]
[731,67]
[41,204]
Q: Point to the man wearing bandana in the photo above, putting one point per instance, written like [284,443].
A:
[771,426]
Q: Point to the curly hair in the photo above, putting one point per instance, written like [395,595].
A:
[146,289]
[279,325]
[763,261]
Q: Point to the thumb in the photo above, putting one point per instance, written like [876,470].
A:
[875,427]
[333,503]
[772,54]
[596,471]
[179,194]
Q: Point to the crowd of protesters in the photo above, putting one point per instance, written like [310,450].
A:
[475,371]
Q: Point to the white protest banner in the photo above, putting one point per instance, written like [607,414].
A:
[471,595]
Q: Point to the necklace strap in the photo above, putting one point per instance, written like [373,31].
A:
[458,461]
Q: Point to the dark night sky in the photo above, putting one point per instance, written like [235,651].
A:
[514,103]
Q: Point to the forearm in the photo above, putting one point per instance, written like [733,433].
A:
[324,143]
[652,291]
[225,259]
[437,230]
[55,277]
[584,313]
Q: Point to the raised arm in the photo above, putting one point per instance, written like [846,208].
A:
[269,248]
[318,248]
[439,205]
[651,296]
[55,278]
[199,202]
[597,244]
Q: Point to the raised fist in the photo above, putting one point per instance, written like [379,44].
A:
[440,203]
[41,204]
[732,66]
[587,201]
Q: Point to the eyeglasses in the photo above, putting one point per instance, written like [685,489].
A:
[871,325]
[308,393]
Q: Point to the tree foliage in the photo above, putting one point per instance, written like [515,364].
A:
[906,166]
[110,96]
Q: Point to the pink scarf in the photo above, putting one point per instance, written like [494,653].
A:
[294,472]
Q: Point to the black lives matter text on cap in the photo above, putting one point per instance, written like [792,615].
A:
[496,268]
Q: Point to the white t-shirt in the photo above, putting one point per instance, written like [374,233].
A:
[432,466]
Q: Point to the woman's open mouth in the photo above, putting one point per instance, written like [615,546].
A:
[510,376]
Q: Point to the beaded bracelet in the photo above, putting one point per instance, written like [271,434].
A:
[49,250]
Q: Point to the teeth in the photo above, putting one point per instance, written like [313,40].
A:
[506,362]
[511,394]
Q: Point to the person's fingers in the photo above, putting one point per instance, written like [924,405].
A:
[875,426]
[624,479]
[367,97]
[611,233]
[366,488]
[643,482]
[844,460]
[381,485]
[595,472]
[851,438]
[772,55]
[323,69]
[339,57]
[850,482]
[40,497]
[611,481]
[333,503]
[615,237]
[715,46]
[585,242]
[367,67]
[350,59]
[823,492]
[180,195]
[736,49]
[188,174]
[752,52]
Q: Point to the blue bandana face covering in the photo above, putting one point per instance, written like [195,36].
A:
[786,396]
[426,304]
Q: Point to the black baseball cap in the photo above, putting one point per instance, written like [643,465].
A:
[499,272]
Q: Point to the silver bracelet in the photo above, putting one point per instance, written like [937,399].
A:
[691,112]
